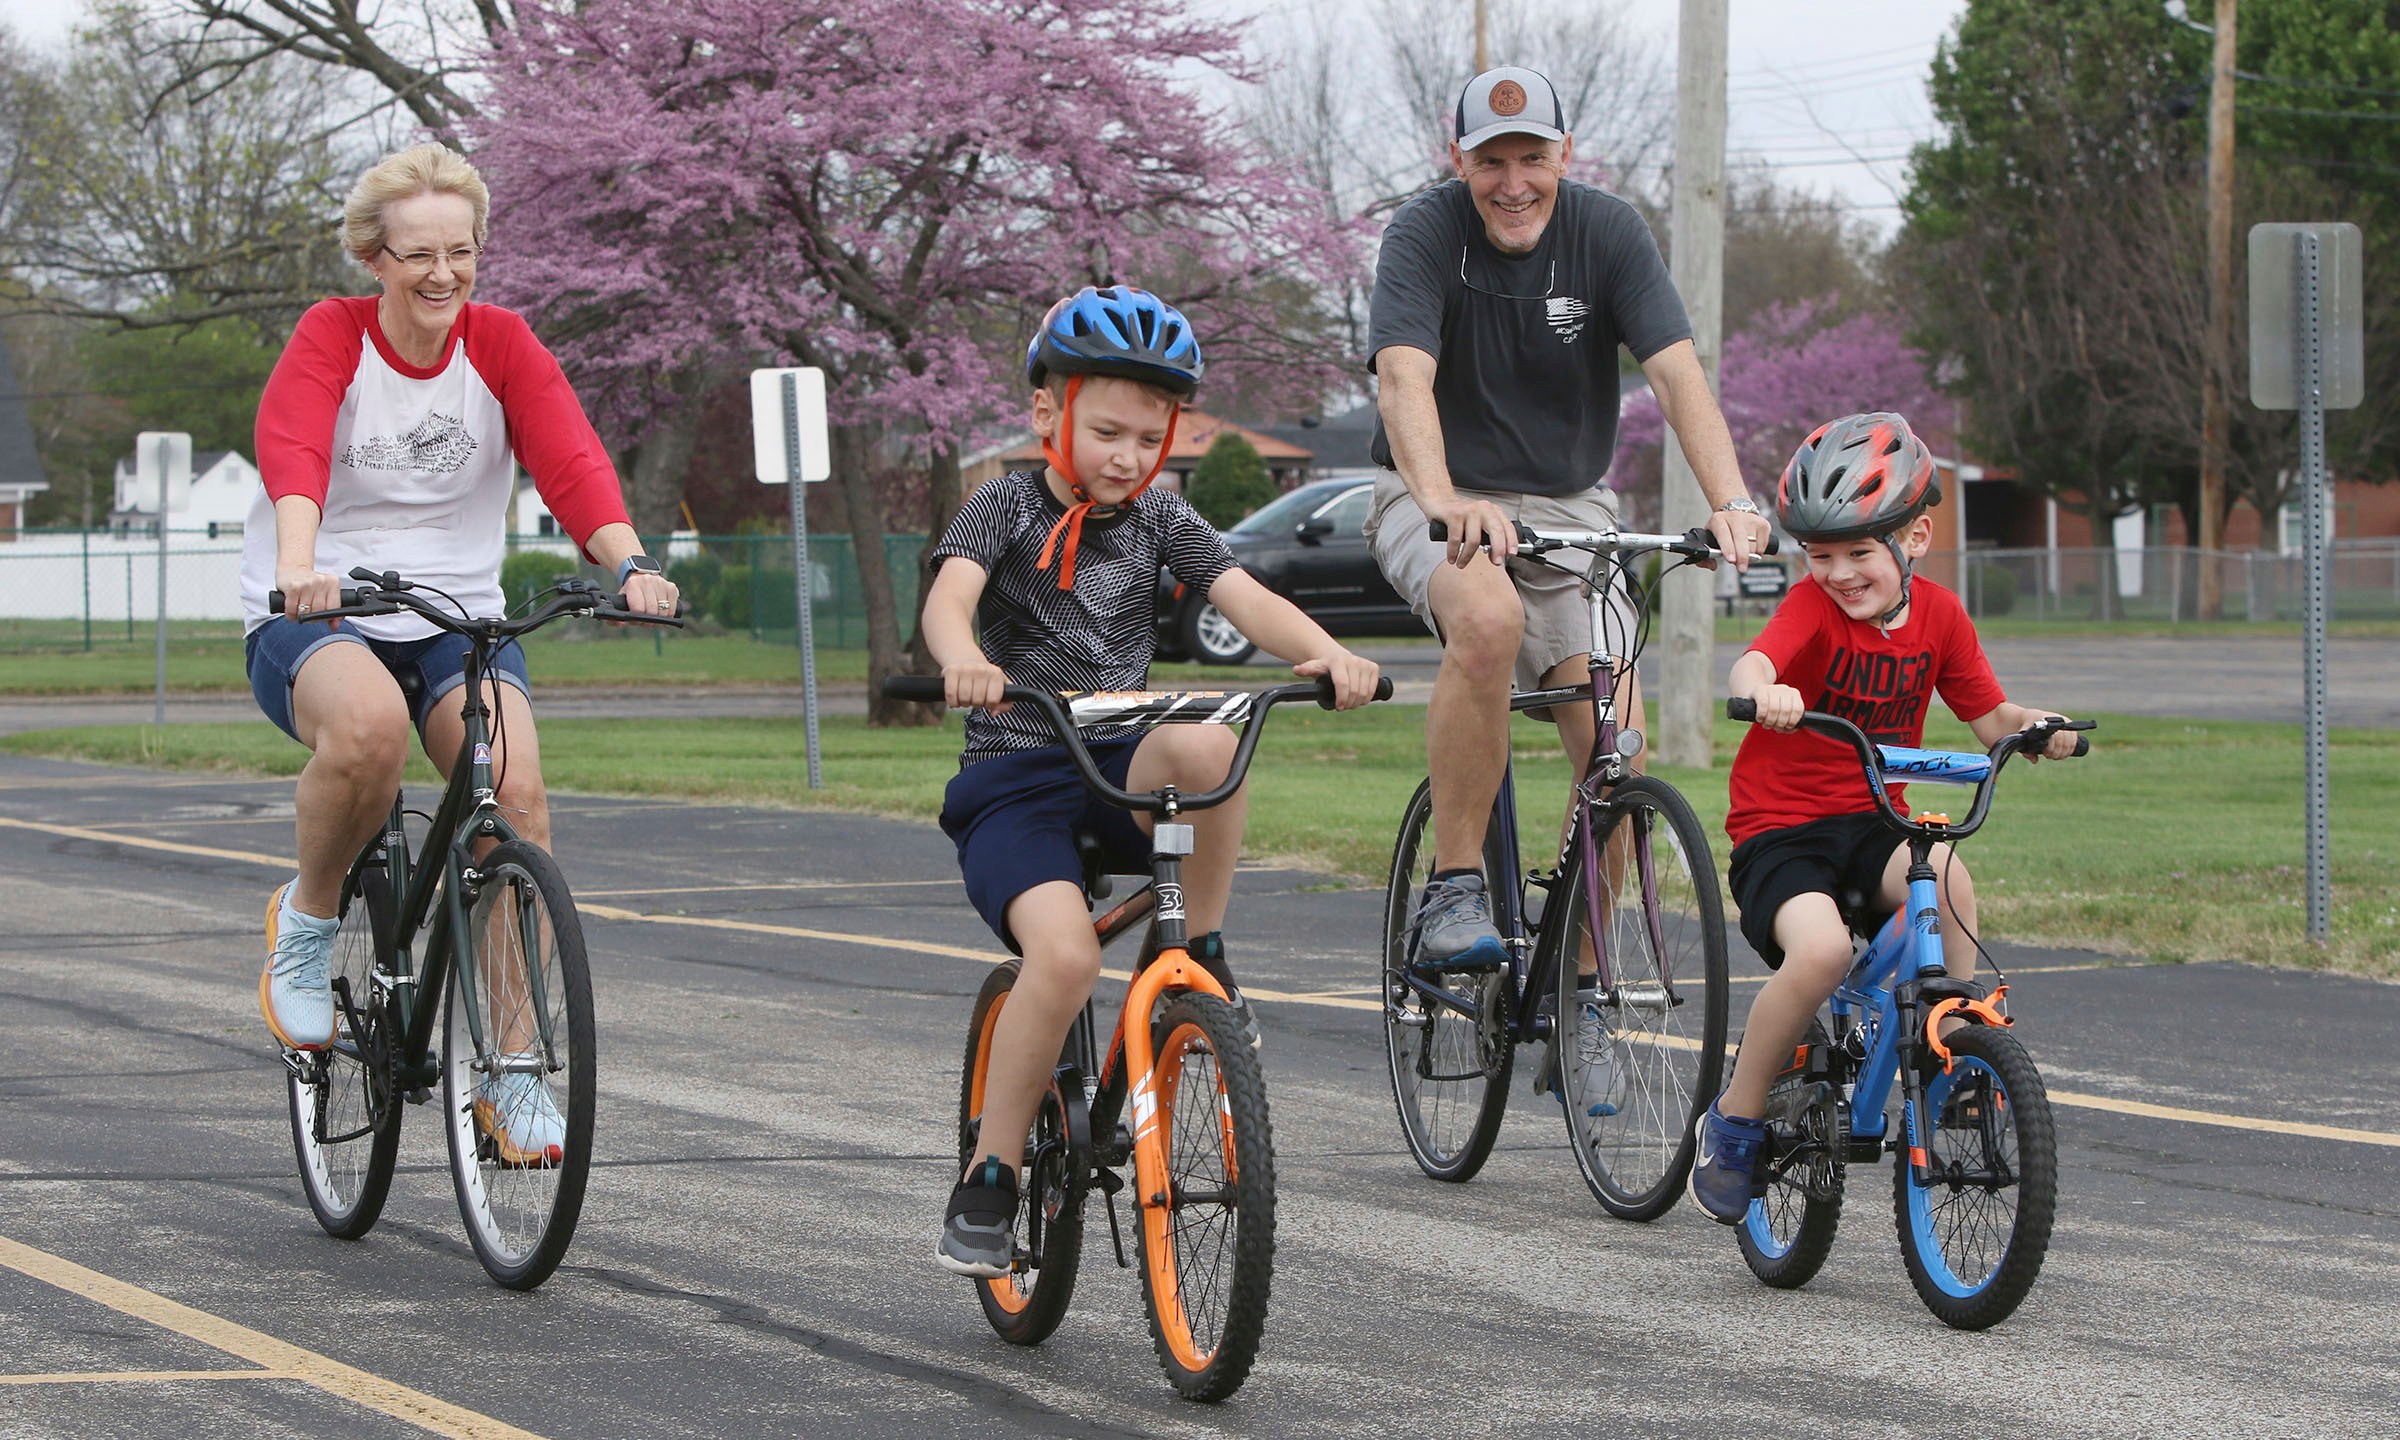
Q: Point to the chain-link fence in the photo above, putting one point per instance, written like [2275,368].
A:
[2162,584]
[90,590]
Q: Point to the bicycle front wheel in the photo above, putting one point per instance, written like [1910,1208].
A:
[1208,1243]
[518,1066]
[1025,1305]
[1449,1068]
[1641,996]
[1975,1233]
[345,1116]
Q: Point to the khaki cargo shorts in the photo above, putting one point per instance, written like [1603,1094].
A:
[1558,625]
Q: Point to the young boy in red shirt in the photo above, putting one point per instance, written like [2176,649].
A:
[1859,637]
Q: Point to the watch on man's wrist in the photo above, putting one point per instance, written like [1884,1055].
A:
[1741,505]
[637,564]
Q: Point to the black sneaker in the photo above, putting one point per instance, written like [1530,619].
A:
[1209,950]
[979,1236]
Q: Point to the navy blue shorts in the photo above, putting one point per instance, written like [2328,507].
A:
[275,651]
[1014,818]
[1841,855]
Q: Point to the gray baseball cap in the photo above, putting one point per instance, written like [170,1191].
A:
[1509,100]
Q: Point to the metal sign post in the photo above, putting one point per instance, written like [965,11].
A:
[2309,357]
[162,471]
[789,443]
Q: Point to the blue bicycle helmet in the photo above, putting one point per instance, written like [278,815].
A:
[1119,331]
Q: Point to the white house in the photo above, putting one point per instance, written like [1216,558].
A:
[223,484]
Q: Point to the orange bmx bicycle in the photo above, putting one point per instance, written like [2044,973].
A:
[1178,1093]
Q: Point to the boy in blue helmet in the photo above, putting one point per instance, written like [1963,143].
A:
[1059,567]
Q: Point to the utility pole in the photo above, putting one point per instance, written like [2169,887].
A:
[1483,52]
[2217,372]
[1696,261]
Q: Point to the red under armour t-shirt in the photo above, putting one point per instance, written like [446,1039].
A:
[1883,684]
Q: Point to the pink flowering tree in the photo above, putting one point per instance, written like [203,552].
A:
[892,190]
[1794,368]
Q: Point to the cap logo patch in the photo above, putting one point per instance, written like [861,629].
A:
[1508,98]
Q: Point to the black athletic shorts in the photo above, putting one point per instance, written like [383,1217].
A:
[1840,855]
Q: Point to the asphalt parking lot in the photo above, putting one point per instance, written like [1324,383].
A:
[782,1000]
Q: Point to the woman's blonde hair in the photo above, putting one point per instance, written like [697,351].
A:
[427,169]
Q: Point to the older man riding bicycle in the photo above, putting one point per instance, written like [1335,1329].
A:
[1500,300]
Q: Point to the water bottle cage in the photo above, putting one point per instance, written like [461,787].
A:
[1984,1012]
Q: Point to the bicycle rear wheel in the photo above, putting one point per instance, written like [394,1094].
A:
[1789,1231]
[518,1066]
[1208,1245]
[1449,1069]
[1025,1306]
[345,1116]
[1633,1083]
[1974,1238]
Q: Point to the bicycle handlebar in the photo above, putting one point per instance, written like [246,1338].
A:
[1226,709]
[385,593]
[1871,756]
[1696,542]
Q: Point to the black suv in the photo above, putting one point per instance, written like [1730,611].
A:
[1307,546]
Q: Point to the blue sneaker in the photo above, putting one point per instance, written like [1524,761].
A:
[293,992]
[1724,1170]
[1454,929]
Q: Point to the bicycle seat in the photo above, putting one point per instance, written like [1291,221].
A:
[1865,914]
[1097,872]
[412,686]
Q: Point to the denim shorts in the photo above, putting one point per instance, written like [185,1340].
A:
[1014,818]
[275,651]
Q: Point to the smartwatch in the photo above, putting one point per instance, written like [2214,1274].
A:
[637,564]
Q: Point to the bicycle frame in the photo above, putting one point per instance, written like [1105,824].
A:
[469,811]
[1097,1086]
[1889,1007]
[1535,952]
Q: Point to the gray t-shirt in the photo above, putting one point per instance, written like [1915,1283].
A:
[1525,345]
[1101,634]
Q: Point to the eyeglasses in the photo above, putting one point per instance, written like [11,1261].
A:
[421,262]
[1547,290]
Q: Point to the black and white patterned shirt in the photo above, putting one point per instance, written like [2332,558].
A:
[1100,635]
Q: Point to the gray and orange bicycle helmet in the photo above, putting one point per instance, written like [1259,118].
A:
[1862,477]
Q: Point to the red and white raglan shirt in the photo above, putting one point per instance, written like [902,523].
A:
[1881,683]
[412,468]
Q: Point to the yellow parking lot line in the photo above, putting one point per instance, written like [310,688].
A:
[1332,1000]
[288,1361]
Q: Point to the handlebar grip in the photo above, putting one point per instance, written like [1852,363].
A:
[1440,530]
[1741,707]
[2083,745]
[1383,690]
[1701,534]
[921,689]
[275,600]
[683,608]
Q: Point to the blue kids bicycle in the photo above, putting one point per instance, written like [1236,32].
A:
[1975,1162]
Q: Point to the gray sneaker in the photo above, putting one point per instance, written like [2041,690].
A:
[1596,1051]
[1454,929]
[979,1234]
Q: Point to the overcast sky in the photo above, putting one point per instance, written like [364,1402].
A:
[1830,93]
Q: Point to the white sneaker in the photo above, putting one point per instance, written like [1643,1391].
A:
[516,1111]
[293,991]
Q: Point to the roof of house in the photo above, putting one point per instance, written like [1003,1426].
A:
[1336,442]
